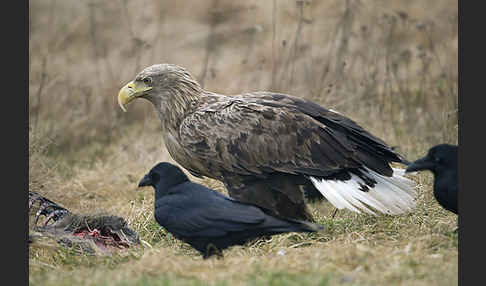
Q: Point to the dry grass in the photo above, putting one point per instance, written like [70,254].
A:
[389,65]
[416,249]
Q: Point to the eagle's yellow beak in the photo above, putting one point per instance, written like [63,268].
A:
[131,91]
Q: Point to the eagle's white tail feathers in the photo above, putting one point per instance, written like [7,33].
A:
[390,195]
[337,197]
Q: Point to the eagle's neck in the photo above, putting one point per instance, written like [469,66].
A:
[176,105]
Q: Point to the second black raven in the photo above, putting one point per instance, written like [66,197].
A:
[206,219]
[441,160]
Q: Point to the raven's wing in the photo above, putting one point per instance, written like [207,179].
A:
[199,211]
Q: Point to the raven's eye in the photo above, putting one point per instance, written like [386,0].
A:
[437,160]
[147,80]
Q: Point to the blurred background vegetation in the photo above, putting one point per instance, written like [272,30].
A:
[392,66]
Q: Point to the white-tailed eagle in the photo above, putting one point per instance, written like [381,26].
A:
[266,146]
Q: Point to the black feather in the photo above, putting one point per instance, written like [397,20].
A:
[208,220]
[441,160]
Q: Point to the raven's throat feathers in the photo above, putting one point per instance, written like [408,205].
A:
[390,195]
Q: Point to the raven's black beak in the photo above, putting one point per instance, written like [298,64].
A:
[145,181]
[420,164]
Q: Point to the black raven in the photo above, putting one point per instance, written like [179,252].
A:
[206,219]
[441,160]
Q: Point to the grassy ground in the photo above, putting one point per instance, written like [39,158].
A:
[416,249]
[389,65]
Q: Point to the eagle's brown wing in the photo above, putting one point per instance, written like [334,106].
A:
[260,145]
[258,134]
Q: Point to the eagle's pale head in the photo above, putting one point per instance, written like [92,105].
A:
[162,84]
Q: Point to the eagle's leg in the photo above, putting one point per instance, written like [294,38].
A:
[278,195]
[212,249]
[290,209]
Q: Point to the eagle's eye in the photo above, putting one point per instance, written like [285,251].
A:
[147,80]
